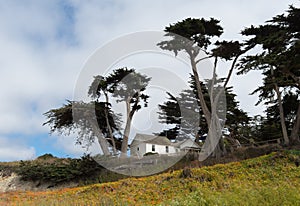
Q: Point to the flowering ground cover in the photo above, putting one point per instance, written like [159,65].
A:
[267,180]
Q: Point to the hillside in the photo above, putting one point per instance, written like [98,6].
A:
[272,179]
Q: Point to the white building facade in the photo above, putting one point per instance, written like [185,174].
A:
[143,144]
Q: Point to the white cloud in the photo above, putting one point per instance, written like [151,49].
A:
[67,144]
[15,149]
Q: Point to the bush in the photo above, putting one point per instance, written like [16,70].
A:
[61,170]
[46,156]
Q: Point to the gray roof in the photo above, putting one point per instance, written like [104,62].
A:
[151,139]
[161,140]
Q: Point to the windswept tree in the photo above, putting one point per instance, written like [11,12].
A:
[129,86]
[184,114]
[279,41]
[181,114]
[171,114]
[270,127]
[102,87]
[194,37]
[96,119]
[90,122]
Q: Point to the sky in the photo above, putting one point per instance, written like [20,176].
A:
[46,44]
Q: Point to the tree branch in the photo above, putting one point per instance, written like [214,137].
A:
[207,57]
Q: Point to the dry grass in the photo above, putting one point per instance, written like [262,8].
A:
[268,180]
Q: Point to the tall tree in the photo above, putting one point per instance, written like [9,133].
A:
[278,60]
[99,87]
[194,36]
[129,86]
[185,113]
[187,101]
[96,118]
[271,127]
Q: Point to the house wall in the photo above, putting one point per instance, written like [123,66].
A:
[138,150]
[143,148]
[160,149]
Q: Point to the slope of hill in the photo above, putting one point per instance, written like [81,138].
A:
[267,180]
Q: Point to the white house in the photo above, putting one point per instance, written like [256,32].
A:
[143,143]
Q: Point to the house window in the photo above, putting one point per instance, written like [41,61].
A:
[153,148]
[167,149]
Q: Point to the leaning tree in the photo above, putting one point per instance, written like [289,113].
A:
[96,119]
[194,37]
[278,59]
[129,86]
[90,122]
[102,87]
[187,101]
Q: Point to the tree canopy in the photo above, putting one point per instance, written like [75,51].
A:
[278,61]
[96,118]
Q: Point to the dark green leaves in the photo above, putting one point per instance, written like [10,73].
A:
[227,49]
[190,32]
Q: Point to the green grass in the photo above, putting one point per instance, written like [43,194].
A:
[267,180]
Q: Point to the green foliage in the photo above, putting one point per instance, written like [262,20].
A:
[272,179]
[269,126]
[194,124]
[125,85]
[227,50]
[56,170]
[62,119]
[198,31]
[46,156]
[279,62]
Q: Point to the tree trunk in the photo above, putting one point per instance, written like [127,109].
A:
[220,148]
[101,140]
[204,107]
[215,143]
[282,122]
[217,152]
[295,131]
[126,130]
[109,127]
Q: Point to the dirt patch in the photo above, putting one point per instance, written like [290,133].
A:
[13,182]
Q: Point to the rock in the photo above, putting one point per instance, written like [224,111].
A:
[7,182]
[13,182]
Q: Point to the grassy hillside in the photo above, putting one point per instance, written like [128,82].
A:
[267,180]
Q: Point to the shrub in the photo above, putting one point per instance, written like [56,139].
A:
[61,170]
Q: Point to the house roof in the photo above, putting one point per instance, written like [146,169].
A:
[162,140]
[151,139]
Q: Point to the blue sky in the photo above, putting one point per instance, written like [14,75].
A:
[44,45]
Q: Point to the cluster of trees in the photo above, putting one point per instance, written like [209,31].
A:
[279,62]
[278,59]
[96,119]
